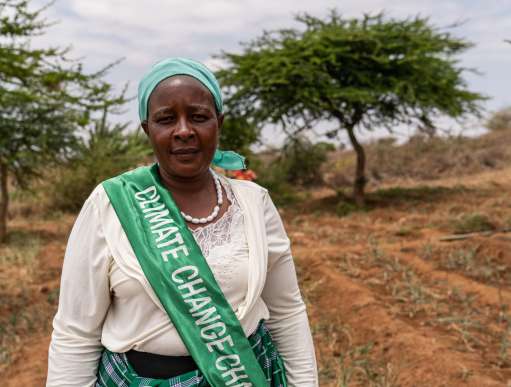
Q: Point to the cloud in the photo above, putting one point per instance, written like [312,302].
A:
[142,32]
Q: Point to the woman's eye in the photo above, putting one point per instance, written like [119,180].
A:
[165,120]
[199,117]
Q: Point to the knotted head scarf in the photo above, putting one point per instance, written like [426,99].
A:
[181,66]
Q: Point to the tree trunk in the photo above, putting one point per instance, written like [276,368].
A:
[4,202]
[360,178]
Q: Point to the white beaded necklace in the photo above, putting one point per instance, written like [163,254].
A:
[216,210]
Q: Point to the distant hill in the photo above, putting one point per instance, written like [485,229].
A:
[422,158]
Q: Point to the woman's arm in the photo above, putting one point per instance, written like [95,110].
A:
[84,299]
[288,321]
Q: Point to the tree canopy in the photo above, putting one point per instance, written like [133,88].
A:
[238,134]
[360,73]
[45,98]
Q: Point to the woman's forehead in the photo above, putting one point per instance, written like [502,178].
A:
[181,87]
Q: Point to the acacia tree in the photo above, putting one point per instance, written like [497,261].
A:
[238,134]
[45,98]
[359,73]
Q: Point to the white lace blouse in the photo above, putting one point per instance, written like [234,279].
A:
[224,245]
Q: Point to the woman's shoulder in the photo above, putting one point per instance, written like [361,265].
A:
[246,186]
[98,198]
[99,194]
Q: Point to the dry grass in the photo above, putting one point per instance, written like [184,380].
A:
[422,158]
[383,275]
[16,274]
[29,271]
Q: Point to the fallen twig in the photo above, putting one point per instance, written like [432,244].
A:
[457,237]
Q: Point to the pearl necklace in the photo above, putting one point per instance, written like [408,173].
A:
[216,210]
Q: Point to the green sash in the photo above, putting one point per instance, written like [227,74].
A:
[181,278]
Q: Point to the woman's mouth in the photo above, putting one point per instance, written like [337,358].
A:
[185,154]
[184,151]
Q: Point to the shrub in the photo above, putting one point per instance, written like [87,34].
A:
[345,208]
[298,164]
[472,223]
[274,179]
[500,120]
[301,160]
[106,153]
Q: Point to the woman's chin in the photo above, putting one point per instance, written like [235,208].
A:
[184,167]
[186,158]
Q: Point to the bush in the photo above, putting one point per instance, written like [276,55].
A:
[472,223]
[345,208]
[298,164]
[301,161]
[338,172]
[106,153]
[274,179]
[500,120]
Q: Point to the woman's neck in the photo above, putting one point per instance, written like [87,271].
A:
[186,185]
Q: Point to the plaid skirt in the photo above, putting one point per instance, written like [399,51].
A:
[115,370]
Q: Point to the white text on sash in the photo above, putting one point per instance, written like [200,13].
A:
[170,243]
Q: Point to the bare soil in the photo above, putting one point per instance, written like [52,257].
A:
[390,304]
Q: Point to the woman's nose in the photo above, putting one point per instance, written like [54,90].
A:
[183,131]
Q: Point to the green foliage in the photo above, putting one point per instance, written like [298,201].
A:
[46,99]
[361,73]
[472,223]
[273,178]
[238,134]
[301,160]
[297,165]
[420,193]
[500,120]
[344,208]
[369,71]
[107,152]
[45,96]
[21,250]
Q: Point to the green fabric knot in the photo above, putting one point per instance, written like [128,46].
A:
[229,160]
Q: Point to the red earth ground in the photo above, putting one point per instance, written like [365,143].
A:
[390,303]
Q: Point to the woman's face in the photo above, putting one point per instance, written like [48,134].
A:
[183,126]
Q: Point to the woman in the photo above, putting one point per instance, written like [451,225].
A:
[169,269]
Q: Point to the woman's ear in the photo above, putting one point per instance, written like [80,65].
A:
[220,119]
[145,127]
[220,123]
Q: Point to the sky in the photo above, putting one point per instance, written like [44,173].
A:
[143,32]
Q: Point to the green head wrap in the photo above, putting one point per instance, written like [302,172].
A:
[182,66]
